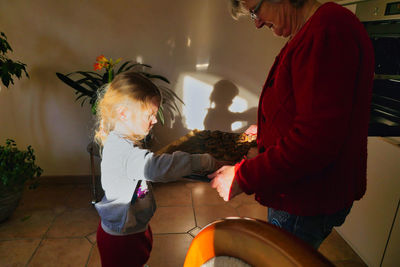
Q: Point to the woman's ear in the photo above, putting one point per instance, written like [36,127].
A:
[121,110]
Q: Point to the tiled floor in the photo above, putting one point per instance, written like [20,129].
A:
[55,225]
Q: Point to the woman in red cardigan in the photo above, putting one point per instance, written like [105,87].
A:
[313,116]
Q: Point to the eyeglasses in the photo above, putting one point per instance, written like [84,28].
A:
[253,12]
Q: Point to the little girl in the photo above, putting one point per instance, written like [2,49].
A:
[126,113]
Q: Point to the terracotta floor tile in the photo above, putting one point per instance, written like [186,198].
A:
[45,197]
[203,194]
[27,224]
[173,220]
[79,197]
[169,250]
[172,194]
[75,223]
[94,258]
[65,180]
[55,211]
[192,183]
[208,214]
[195,231]
[62,252]
[253,211]
[17,252]
[336,249]
[92,237]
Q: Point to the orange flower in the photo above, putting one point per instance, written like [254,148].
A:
[98,66]
[101,62]
[101,58]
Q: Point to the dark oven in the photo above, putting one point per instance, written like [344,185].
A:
[381,19]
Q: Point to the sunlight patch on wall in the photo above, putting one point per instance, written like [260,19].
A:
[237,125]
[196,89]
[196,96]
[203,66]
[239,104]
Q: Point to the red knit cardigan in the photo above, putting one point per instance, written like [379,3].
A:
[313,119]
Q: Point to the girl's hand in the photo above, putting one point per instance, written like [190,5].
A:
[252,130]
[220,163]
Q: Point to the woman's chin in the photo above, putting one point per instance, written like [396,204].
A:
[276,32]
[279,32]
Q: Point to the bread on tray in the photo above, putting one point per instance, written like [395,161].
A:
[224,146]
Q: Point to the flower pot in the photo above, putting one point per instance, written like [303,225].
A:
[9,200]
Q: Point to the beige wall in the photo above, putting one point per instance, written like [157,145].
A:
[64,36]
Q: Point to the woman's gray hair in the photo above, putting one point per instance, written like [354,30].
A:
[238,9]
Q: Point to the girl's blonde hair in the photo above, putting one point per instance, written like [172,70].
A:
[127,88]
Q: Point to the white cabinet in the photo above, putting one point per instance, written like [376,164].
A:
[370,228]
[392,257]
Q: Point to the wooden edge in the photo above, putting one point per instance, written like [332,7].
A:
[253,241]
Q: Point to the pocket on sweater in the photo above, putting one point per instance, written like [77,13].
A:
[145,207]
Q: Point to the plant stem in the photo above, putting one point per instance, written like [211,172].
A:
[110,75]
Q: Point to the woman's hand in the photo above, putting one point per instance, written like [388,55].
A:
[252,130]
[223,180]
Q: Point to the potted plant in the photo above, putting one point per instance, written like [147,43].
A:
[9,68]
[17,167]
[87,83]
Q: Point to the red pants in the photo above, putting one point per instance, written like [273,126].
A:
[127,250]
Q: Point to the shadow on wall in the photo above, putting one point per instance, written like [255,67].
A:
[210,104]
[164,134]
[219,115]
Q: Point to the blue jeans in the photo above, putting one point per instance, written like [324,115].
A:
[311,229]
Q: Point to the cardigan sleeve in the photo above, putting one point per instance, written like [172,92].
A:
[323,71]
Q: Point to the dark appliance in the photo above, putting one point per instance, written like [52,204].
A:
[381,19]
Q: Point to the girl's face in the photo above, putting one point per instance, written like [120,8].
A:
[149,115]
[139,120]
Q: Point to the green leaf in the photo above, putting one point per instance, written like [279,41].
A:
[6,78]
[26,73]
[80,96]
[9,68]
[4,45]
[121,69]
[74,85]
[161,115]
[153,76]
[18,71]
[168,91]
[137,64]
[169,108]
[88,83]
[17,166]
[83,102]
[105,77]
[94,108]
[89,76]
[87,72]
